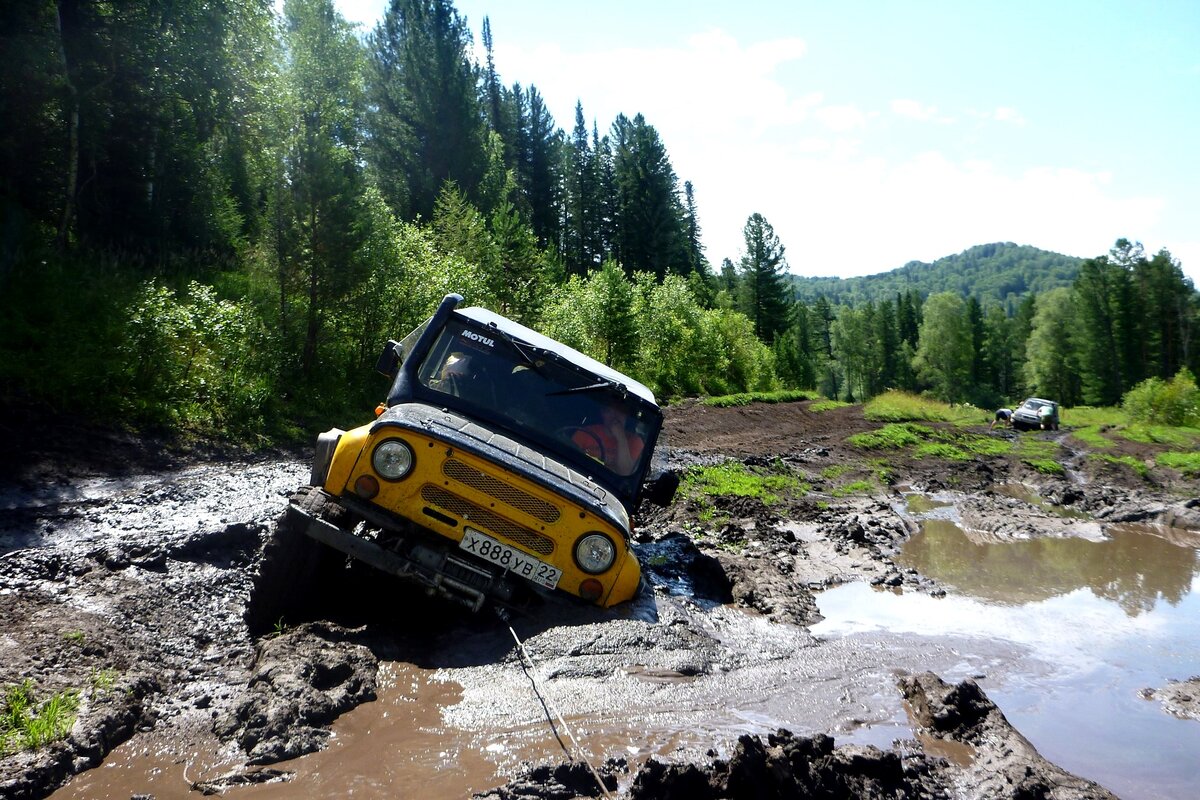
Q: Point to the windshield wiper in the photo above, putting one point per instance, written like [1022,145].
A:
[612,386]
[521,348]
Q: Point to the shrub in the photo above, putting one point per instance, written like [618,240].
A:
[1158,402]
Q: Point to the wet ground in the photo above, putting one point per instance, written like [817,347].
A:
[805,616]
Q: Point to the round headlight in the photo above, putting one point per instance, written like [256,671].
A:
[392,459]
[595,552]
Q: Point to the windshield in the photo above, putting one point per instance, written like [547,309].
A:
[576,413]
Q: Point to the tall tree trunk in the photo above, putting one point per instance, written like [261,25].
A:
[68,215]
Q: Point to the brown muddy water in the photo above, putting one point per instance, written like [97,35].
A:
[1094,623]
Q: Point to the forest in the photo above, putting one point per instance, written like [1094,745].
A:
[212,215]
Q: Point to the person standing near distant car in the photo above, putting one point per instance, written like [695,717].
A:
[1003,417]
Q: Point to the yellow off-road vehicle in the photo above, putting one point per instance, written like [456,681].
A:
[502,466]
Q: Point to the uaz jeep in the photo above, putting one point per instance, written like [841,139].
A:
[502,465]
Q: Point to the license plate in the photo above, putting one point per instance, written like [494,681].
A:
[510,558]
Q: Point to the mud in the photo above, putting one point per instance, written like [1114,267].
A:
[125,575]
[1178,698]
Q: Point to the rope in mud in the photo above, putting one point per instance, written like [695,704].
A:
[549,706]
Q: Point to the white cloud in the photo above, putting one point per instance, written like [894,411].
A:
[914,110]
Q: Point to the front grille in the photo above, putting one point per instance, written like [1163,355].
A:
[491,522]
[504,492]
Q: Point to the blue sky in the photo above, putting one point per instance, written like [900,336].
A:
[870,134]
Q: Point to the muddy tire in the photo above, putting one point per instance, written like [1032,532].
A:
[292,574]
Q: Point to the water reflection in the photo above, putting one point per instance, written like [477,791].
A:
[1133,568]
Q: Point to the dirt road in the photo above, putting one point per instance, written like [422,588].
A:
[124,577]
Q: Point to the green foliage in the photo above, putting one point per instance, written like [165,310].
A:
[1105,416]
[1130,462]
[1157,402]
[1187,463]
[891,437]
[1001,272]
[1161,434]
[27,723]
[898,406]
[1092,437]
[746,398]
[734,479]
[199,360]
[942,450]
[854,487]
[944,352]
[1046,466]
[826,405]
[1052,361]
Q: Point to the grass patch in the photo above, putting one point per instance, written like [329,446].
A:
[26,723]
[941,450]
[1092,416]
[736,479]
[1187,463]
[897,406]
[854,487]
[836,471]
[1127,461]
[1092,437]
[1046,466]
[1031,448]
[1162,434]
[891,437]
[826,405]
[746,398]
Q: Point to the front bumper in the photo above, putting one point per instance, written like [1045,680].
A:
[439,568]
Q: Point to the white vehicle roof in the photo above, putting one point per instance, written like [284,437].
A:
[519,331]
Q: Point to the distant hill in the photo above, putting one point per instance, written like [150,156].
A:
[1002,272]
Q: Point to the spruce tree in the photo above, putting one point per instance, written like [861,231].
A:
[764,291]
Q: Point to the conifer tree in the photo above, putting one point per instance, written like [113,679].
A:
[426,126]
[764,293]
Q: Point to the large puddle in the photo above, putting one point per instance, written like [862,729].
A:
[1098,620]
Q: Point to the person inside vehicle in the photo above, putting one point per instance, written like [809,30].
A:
[1003,417]
[611,441]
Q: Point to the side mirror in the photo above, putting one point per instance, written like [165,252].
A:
[390,359]
[660,489]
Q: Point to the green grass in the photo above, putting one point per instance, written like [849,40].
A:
[941,450]
[103,680]
[1091,416]
[26,724]
[735,479]
[1126,461]
[897,406]
[891,437]
[855,487]
[1187,463]
[1092,437]
[826,405]
[1162,434]
[746,398]
[836,471]
[1046,466]
[1030,448]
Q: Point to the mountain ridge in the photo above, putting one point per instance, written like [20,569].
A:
[1001,272]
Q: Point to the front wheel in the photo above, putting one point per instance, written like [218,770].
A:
[293,566]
